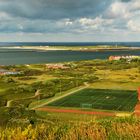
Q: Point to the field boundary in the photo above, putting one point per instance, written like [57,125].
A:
[76,111]
[86,112]
[137,109]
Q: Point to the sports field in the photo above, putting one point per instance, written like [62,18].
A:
[104,99]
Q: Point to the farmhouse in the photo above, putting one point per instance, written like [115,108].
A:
[127,57]
[56,66]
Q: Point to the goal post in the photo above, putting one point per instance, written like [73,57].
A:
[86,106]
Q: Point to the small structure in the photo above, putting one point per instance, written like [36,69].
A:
[127,57]
[56,66]
[2,71]
[11,73]
[6,72]
[114,58]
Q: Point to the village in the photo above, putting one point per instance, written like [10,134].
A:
[126,57]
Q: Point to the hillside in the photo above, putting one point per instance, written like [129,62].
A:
[100,86]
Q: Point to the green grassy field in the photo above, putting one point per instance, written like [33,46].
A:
[104,99]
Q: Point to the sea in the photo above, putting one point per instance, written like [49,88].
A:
[9,55]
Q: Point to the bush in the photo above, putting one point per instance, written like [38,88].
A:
[8,80]
[32,72]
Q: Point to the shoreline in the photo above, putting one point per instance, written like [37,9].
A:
[73,48]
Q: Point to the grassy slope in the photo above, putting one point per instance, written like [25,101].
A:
[65,126]
[97,129]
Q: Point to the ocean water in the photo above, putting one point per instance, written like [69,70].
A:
[17,56]
[33,57]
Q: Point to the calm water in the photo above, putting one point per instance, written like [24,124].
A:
[11,57]
[16,56]
[129,44]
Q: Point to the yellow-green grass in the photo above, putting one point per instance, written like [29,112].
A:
[120,75]
[128,79]
[43,77]
[5,86]
[115,129]
[67,117]
[106,84]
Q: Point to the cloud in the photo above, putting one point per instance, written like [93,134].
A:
[133,25]
[53,9]
[87,17]
[121,9]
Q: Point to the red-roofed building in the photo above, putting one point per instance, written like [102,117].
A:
[56,66]
[127,57]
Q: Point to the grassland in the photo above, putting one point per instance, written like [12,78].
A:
[117,100]
[115,84]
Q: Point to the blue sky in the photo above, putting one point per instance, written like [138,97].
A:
[69,20]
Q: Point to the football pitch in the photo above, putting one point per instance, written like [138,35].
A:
[104,99]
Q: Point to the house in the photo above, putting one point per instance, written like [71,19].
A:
[2,71]
[6,72]
[114,58]
[56,66]
[11,73]
[127,57]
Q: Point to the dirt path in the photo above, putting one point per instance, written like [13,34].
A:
[47,109]
[60,97]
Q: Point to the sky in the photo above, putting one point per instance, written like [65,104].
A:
[69,20]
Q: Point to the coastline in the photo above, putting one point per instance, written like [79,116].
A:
[77,48]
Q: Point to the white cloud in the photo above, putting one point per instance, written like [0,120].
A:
[136,4]
[95,23]
[68,22]
[133,26]
[116,18]
[125,10]
[4,16]
[118,10]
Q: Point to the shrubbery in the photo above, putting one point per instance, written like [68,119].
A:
[98,130]
[32,72]
[22,89]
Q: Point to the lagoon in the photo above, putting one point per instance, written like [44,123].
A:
[18,56]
